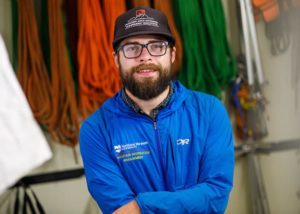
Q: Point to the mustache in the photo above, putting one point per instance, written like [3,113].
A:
[149,66]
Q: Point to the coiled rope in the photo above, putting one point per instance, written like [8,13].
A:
[166,7]
[222,60]
[111,11]
[137,3]
[64,117]
[31,70]
[98,76]
[207,63]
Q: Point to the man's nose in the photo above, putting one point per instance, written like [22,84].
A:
[145,55]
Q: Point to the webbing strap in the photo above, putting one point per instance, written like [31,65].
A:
[31,203]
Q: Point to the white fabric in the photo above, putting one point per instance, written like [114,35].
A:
[22,143]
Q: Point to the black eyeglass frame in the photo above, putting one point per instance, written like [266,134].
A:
[167,44]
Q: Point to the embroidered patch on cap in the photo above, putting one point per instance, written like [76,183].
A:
[141,19]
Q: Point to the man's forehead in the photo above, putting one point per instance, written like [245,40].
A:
[142,39]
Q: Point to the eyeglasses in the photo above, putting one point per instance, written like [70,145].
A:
[134,50]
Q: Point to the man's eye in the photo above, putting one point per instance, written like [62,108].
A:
[132,48]
[158,45]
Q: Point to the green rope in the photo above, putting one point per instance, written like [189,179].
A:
[221,58]
[208,64]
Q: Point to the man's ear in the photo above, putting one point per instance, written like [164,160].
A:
[173,54]
[115,56]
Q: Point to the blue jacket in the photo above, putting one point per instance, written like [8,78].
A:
[182,163]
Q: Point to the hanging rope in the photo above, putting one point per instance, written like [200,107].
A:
[166,7]
[110,12]
[64,117]
[221,58]
[71,16]
[31,69]
[201,24]
[98,76]
[137,3]
[190,24]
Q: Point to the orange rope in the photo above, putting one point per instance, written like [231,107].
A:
[137,3]
[31,69]
[166,7]
[111,12]
[98,76]
[64,118]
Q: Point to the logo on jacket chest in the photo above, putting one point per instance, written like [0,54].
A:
[132,151]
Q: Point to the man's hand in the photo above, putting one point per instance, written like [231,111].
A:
[129,208]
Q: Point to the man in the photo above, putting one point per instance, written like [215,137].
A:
[156,147]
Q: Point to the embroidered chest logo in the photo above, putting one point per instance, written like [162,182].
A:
[132,151]
[183,142]
[141,19]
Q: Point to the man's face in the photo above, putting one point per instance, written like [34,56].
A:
[145,76]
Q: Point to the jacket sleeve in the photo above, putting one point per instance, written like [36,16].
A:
[211,193]
[104,179]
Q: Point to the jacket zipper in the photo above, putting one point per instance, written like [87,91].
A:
[160,152]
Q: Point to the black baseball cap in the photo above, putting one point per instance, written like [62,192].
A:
[141,21]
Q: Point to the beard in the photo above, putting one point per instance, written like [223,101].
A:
[146,88]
